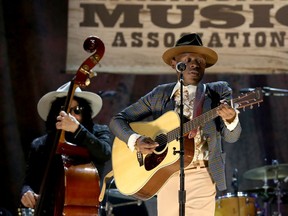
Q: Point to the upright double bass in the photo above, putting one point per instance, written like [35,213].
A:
[75,185]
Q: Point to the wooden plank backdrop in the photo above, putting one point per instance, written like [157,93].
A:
[250,36]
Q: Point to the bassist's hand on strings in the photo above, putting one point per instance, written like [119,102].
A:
[145,145]
[67,122]
[29,199]
[226,112]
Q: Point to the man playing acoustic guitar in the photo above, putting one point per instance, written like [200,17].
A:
[206,171]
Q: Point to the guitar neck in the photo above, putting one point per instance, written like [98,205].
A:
[193,124]
[200,120]
[245,100]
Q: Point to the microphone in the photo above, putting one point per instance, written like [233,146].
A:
[245,90]
[180,67]
[267,91]
[235,181]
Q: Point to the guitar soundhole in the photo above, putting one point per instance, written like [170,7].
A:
[162,141]
[153,160]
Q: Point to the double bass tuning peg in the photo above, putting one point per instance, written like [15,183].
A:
[92,74]
[87,82]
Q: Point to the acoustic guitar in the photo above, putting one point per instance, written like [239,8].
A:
[144,181]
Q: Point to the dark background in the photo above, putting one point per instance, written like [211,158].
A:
[33,42]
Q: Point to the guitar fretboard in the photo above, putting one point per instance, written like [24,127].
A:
[193,124]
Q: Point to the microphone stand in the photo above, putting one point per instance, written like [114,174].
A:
[182,192]
[235,182]
[181,67]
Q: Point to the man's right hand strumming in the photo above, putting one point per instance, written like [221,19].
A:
[145,145]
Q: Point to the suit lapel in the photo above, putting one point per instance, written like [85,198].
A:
[199,100]
[168,103]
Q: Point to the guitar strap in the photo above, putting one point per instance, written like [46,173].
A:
[107,177]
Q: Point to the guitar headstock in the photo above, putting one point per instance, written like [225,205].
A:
[249,99]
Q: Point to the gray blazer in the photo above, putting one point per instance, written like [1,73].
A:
[158,101]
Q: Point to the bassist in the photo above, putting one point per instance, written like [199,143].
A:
[80,130]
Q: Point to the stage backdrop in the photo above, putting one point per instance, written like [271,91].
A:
[250,36]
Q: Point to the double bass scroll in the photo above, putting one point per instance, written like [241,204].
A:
[69,201]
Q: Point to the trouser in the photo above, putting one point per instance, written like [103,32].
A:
[200,194]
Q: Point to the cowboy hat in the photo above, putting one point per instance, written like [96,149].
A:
[190,43]
[46,101]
